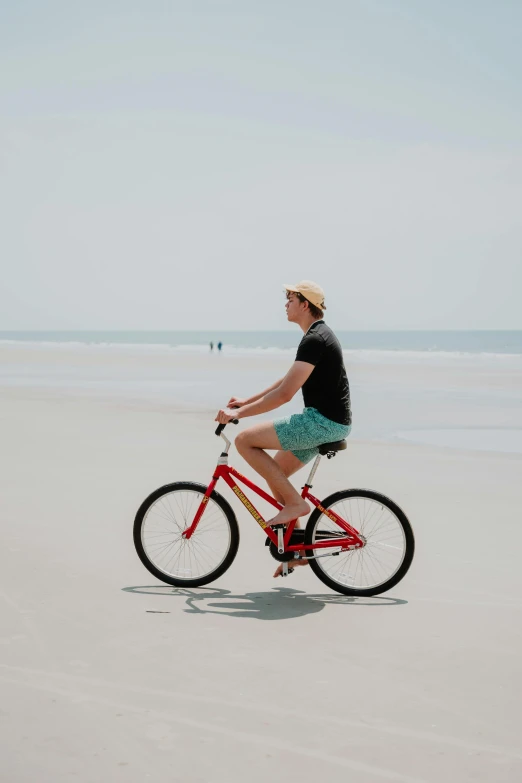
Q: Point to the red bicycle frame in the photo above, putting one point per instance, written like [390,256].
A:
[228,474]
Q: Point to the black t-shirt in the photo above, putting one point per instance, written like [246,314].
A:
[326,388]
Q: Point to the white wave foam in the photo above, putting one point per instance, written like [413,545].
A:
[368,355]
[189,348]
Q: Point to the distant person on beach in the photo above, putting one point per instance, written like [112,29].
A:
[211,346]
[319,371]
[220,346]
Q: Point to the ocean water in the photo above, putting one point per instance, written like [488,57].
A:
[432,342]
[483,415]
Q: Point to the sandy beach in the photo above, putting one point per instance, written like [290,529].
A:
[108,675]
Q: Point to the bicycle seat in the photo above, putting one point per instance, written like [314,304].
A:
[331,448]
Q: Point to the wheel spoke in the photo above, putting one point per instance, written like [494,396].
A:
[164,516]
[175,556]
[379,559]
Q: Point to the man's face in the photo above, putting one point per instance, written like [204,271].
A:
[294,306]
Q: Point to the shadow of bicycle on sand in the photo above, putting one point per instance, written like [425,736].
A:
[281,603]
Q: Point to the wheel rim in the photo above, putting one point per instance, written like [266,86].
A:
[175,556]
[381,557]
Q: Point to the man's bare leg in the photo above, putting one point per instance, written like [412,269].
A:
[250,444]
[289,464]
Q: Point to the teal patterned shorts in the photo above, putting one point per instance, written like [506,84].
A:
[303,432]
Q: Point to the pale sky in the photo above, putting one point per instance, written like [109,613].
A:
[169,165]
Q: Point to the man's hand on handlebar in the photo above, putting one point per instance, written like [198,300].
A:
[236,402]
[225,415]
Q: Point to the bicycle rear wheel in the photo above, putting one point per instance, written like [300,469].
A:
[158,528]
[386,556]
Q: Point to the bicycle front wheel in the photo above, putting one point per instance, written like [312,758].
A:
[384,559]
[193,562]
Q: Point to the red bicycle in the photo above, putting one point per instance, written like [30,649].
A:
[357,542]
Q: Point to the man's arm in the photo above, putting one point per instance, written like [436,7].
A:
[238,402]
[274,397]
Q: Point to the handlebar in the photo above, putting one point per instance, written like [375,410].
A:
[221,427]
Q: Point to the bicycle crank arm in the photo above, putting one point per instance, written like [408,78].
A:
[281,539]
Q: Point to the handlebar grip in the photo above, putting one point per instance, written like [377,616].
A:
[221,427]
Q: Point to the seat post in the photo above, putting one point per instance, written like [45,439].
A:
[313,471]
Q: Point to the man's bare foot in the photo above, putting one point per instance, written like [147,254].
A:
[291,564]
[290,512]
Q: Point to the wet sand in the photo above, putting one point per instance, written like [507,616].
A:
[106,674]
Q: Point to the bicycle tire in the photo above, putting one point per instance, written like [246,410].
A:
[228,514]
[398,513]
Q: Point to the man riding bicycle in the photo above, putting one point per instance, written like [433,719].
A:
[319,370]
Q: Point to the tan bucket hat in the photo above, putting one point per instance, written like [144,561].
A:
[310,290]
